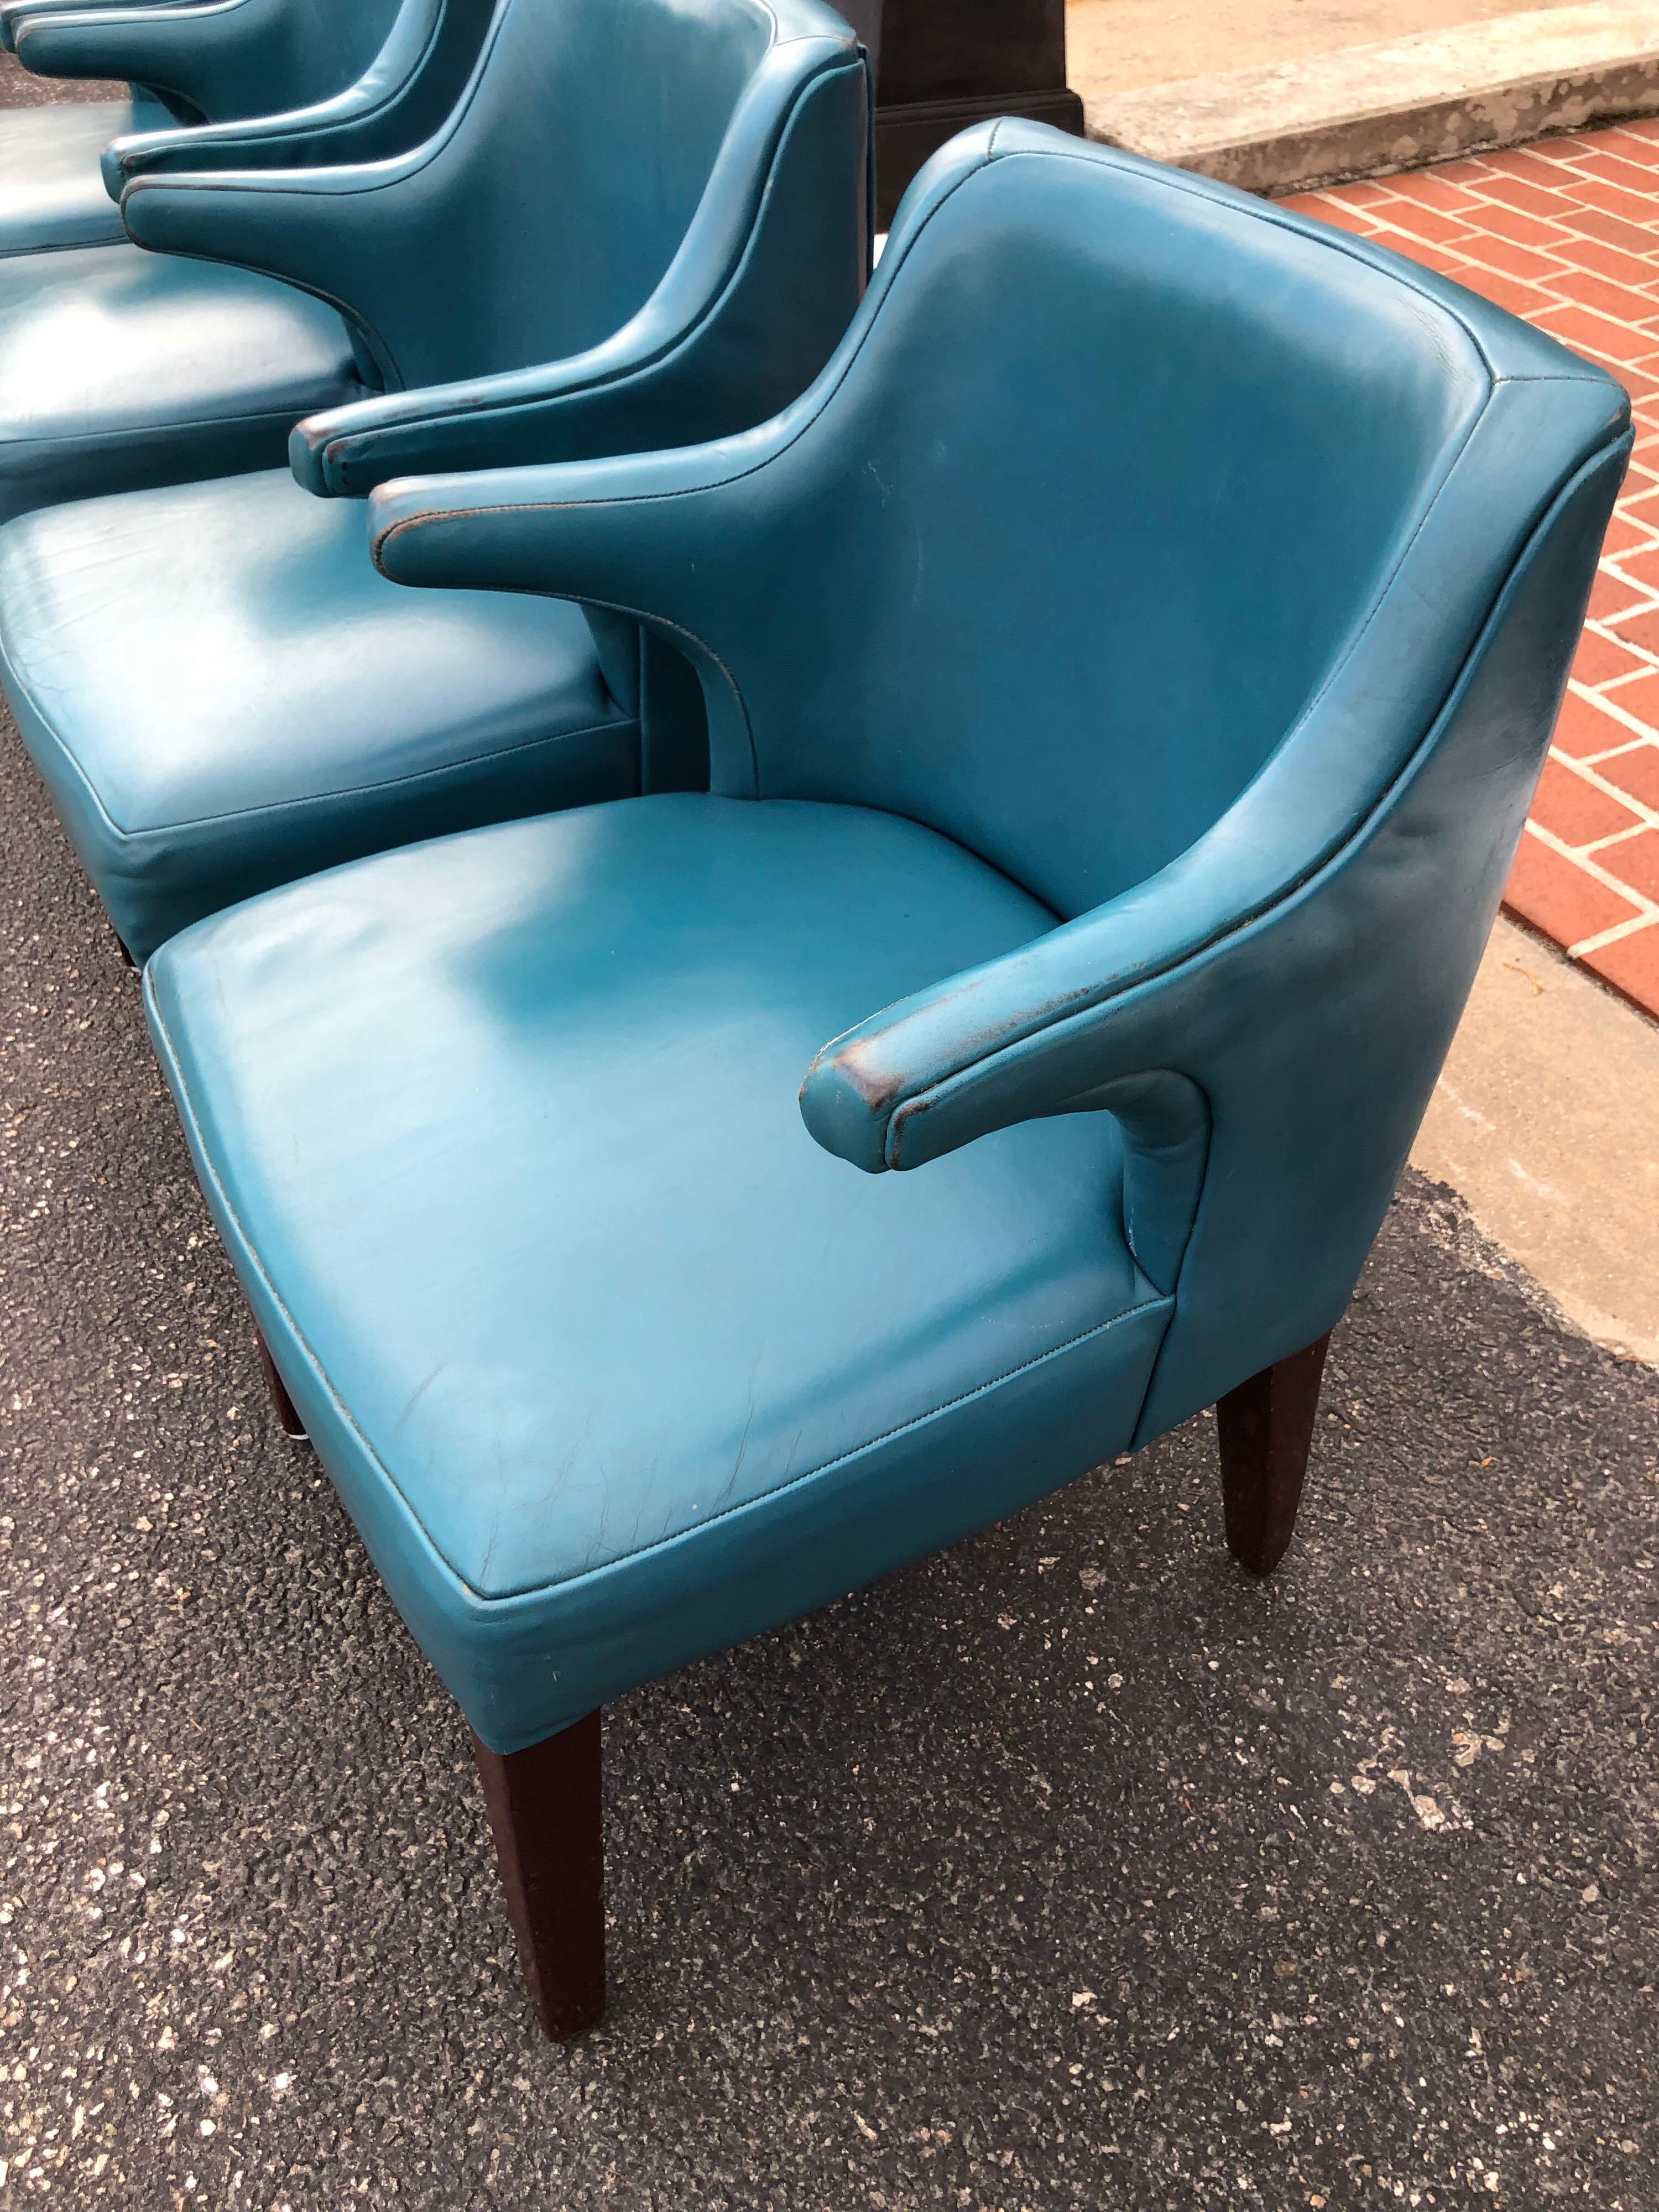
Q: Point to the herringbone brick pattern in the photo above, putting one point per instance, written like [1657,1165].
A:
[1566,232]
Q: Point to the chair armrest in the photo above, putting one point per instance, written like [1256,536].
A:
[286,224]
[219,57]
[13,13]
[406,92]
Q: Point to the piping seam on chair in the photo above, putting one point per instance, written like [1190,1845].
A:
[537,1590]
[66,246]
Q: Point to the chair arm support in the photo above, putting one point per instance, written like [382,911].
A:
[318,136]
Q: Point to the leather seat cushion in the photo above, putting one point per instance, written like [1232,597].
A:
[611,1363]
[52,190]
[119,368]
[222,694]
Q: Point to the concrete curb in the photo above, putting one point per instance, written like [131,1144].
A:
[1365,111]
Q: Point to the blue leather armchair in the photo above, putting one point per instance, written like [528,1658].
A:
[666,210]
[209,62]
[1127,669]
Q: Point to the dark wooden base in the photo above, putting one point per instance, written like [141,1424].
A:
[293,1427]
[545,1815]
[1266,1431]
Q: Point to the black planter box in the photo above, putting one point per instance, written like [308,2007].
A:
[942,65]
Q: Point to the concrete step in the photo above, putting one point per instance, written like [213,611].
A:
[1289,125]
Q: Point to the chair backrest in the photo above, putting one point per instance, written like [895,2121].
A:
[1124,459]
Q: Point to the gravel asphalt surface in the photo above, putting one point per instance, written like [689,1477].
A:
[1069,1869]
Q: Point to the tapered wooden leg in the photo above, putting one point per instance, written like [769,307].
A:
[293,1427]
[544,1812]
[1266,1431]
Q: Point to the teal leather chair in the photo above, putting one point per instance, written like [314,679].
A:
[1127,667]
[211,63]
[665,211]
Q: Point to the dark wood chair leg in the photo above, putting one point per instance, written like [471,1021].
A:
[293,1427]
[545,1815]
[1266,1431]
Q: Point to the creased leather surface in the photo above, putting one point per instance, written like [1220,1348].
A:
[570,1145]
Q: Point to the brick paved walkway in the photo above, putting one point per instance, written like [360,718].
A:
[1566,232]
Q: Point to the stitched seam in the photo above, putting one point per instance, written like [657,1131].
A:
[117,237]
[642,1551]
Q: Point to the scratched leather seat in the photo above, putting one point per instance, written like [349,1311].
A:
[1127,667]
[645,225]
[215,64]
